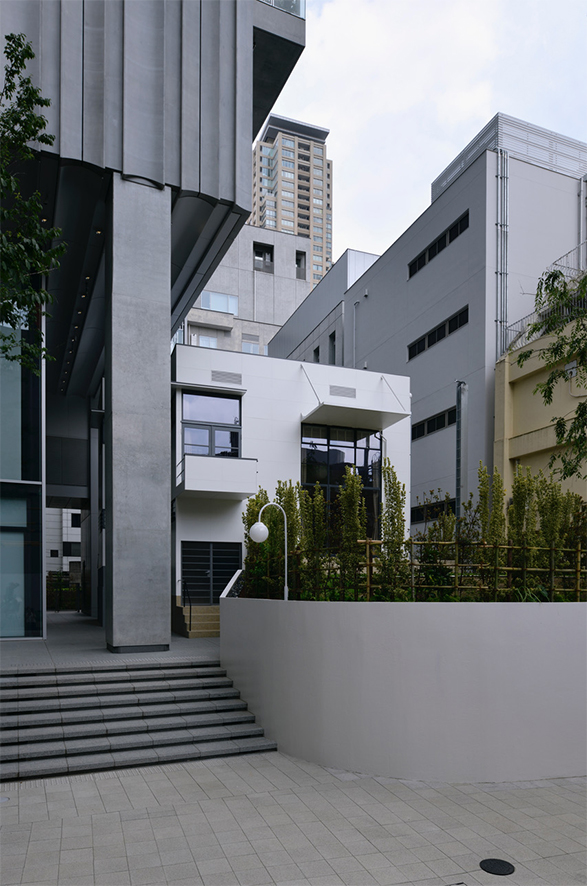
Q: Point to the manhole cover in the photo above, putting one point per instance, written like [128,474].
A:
[497,866]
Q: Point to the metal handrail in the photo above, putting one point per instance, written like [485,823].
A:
[185,591]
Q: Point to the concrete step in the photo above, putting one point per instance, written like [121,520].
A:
[34,681]
[99,728]
[138,757]
[108,687]
[56,721]
[119,700]
[130,741]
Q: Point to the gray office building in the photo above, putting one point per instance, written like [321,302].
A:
[154,107]
[443,302]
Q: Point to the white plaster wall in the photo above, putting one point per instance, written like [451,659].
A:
[447,691]
[276,395]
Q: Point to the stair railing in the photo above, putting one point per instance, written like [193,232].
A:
[185,593]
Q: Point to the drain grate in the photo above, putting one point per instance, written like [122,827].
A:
[497,866]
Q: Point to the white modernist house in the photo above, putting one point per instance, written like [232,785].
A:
[442,303]
[243,421]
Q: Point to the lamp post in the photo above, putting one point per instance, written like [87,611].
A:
[259,532]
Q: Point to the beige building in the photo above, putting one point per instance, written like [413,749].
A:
[524,432]
[292,187]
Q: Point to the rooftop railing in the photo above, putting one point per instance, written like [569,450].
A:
[294,7]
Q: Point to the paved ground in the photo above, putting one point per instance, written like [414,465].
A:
[267,818]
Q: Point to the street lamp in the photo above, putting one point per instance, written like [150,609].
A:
[259,532]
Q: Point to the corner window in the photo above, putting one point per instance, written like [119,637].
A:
[326,451]
[263,258]
[211,425]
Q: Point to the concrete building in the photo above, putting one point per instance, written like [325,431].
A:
[63,540]
[246,301]
[524,433]
[242,421]
[292,187]
[438,304]
[154,107]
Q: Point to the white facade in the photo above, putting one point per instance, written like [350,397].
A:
[276,398]
[246,301]
[516,195]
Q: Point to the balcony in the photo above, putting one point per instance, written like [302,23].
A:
[294,7]
[201,476]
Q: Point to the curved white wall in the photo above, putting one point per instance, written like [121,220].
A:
[445,691]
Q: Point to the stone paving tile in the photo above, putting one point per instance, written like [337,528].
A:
[270,819]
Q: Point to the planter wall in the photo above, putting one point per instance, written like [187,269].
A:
[431,691]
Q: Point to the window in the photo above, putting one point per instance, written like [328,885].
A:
[288,153]
[211,425]
[326,451]
[288,194]
[76,521]
[319,228]
[434,423]
[435,335]
[439,244]
[318,202]
[287,213]
[317,239]
[286,174]
[286,223]
[72,549]
[302,146]
[54,553]
[270,213]
[305,157]
[288,142]
[270,223]
[288,203]
[317,192]
[332,348]
[318,151]
[432,510]
[263,258]
[317,248]
[300,265]
[288,164]
[316,355]
[318,162]
[317,267]
[207,341]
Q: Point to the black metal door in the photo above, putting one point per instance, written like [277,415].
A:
[207,567]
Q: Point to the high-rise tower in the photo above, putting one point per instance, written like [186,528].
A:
[292,186]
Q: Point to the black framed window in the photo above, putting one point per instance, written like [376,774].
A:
[211,425]
[435,423]
[327,451]
[431,251]
[447,327]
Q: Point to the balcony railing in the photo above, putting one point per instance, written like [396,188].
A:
[294,7]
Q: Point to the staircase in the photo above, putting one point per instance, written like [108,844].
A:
[57,721]
[202,621]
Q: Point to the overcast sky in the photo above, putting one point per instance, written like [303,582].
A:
[404,85]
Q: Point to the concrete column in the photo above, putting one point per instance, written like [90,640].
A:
[138,428]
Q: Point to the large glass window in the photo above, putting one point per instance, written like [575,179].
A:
[327,451]
[20,561]
[211,425]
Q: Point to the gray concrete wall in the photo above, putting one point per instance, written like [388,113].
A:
[138,420]
[431,691]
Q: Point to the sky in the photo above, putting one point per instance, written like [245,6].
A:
[404,85]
